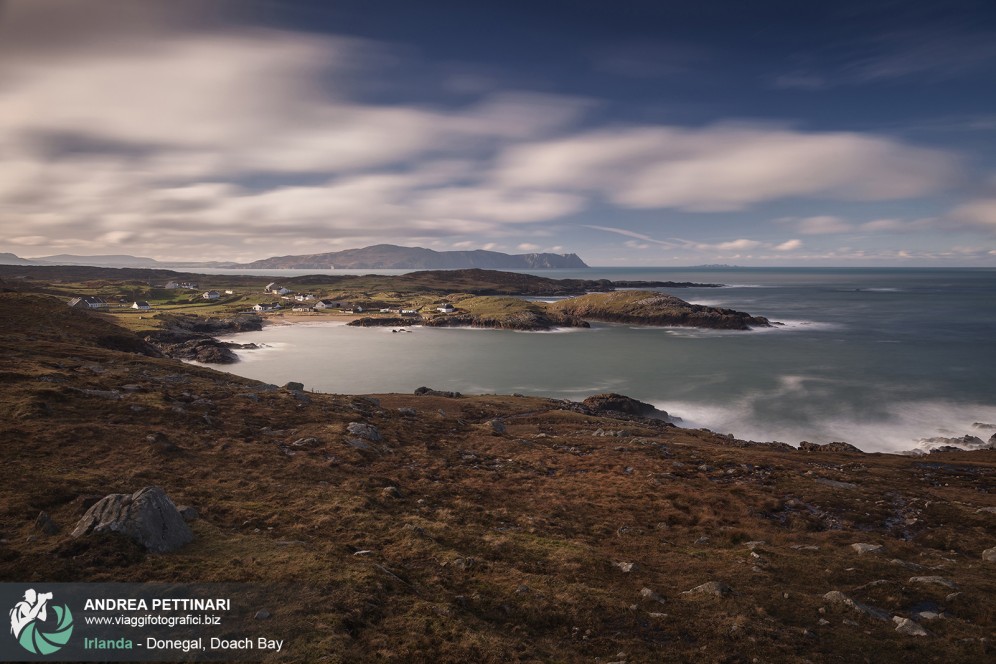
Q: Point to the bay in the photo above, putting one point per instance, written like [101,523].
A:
[880,358]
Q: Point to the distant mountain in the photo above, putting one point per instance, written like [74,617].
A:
[114,260]
[11,259]
[389,256]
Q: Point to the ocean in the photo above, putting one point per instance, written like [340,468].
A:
[881,358]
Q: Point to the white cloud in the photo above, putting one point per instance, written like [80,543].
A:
[726,168]
[788,245]
[980,213]
[823,225]
[528,246]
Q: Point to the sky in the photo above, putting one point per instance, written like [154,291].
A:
[635,132]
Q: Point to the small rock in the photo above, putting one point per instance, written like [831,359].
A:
[986,510]
[497,427]
[908,627]
[716,588]
[754,544]
[365,431]
[408,412]
[989,555]
[305,442]
[648,594]
[928,615]
[626,567]
[391,492]
[362,552]
[188,513]
[837,597]
[863,548]
[937,580]
[262,614]
[45,524]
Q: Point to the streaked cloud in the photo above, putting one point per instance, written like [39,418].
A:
[727,167]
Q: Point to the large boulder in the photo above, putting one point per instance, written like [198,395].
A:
[147,516]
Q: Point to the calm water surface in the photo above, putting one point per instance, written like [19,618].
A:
[879,358]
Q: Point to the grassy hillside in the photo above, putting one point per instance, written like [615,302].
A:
[567,537]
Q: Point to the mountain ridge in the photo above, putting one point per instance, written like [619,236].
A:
[390,256]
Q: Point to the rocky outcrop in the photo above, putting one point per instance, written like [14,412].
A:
[610,404]
[429,392]
[524,321]
[195,347]
[147,516]
[650,308]
[190,337]
[806,446]
[387,321]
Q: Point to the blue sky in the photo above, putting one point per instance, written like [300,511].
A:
[631,133]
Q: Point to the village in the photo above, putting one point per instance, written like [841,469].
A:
[272,301]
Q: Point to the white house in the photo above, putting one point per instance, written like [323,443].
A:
[266,306]
[306,297]
[446,308]
[141,305]
[409,312]
[229,292]
[327,304]
[211,295]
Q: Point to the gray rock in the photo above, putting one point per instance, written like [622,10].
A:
[358,444]
[391,492]
[754,544]
[648,594]
[863,548]
[147,516]
[936,580]
[365,431]
[989,555]
[45,524]
[908,627]
[839,598]
[716,588]
[497,427]
[986,510]
[408,412]
[262,614]
[626,567]
[305,442]
[294,386]
[188,513]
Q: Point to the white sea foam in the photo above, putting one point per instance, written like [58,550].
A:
[788,325]
[905,426]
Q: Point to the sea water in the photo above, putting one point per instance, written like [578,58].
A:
[880,358]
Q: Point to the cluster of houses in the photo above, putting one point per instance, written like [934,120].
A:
[186,285]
